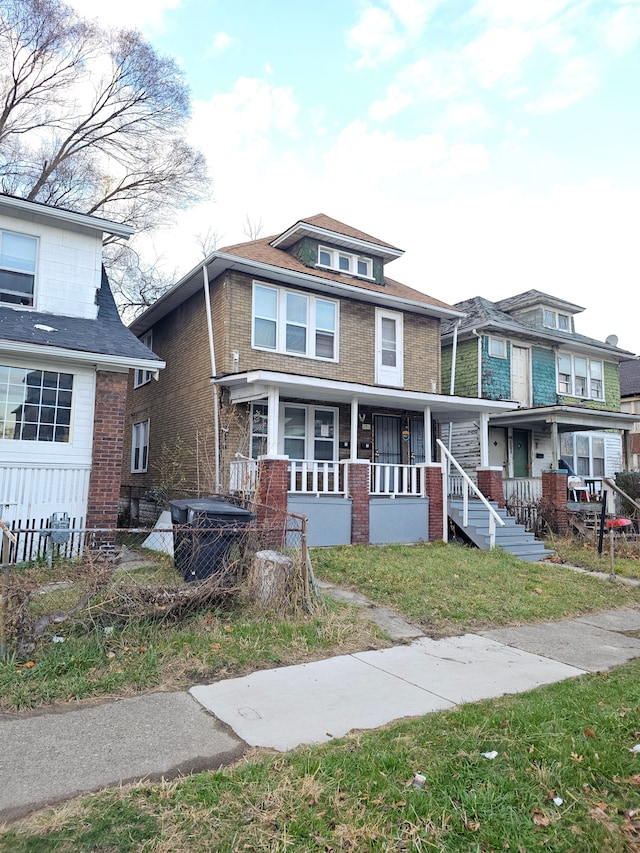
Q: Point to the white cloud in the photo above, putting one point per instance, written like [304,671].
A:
[384,31]
[576,80]
[145,15]
[395,101]
[499,53]
[622,30]
[469,114]
[221,41]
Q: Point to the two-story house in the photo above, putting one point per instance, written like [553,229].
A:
[64,363]
[630,402]
[566,386]
[299,348]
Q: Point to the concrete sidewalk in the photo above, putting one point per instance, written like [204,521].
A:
[49,757]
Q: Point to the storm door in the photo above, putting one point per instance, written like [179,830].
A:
[416,441]
[387,439]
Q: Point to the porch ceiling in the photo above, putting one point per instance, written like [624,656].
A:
[568,418]
[254,385]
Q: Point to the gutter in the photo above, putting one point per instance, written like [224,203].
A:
[82,356]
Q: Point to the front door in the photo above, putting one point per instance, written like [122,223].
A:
[387,439]
[520,375]
[498,448]
[521,463]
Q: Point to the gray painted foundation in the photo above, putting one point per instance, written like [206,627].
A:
[393,520]
[328,518]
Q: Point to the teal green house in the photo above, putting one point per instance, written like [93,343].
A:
[567,386]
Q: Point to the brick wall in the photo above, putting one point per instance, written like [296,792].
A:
[433,488]
[108,442]
[358,474]
[490,484]
[271,500]
[554,500]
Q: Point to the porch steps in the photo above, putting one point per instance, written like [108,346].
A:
[512,537]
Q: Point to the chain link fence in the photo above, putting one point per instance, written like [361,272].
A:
[107,576]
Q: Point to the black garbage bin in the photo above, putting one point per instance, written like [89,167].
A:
[208,530]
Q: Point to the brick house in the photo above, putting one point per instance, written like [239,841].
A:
[566,387]
[299,350]
[64,363]
[630,402]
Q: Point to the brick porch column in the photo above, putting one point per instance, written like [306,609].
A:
[554,500]
[358,474]
[108,441]
[271,498]
[433,490]
[490,484]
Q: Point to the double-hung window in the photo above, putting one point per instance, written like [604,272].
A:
[140,447]
[17,268]
[306,432]
[35,405]
[143,376]
[585,452]
[389,348]
[294,323]
[579,376]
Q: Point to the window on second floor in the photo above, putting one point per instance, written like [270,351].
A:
[295,323]
[579,376]
[143,376]
[497,347]
[556,320]
[17,268]
[345,262]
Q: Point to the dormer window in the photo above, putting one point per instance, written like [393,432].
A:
[17,268]
[356,265]
[555,320]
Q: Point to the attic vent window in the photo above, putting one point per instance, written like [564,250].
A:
[555,320]
[355,265]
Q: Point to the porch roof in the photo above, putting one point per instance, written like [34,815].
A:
[568,418]
[254,385]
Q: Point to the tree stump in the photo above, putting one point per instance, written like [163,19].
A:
[270,578]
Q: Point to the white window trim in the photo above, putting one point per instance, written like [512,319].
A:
[141,377]
[135,433]
[309,436]
[502,341]
[35,270]
[571,393]
[385,374]
[556,316]
[334,265]
[590,436]
[281,324]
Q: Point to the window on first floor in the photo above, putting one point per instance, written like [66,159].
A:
[294,323]
[17,268]
[584,452]
[143,376]
[307,432]
[35,405]
[140,447]
[579,376]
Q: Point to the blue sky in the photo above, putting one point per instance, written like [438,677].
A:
[495,141]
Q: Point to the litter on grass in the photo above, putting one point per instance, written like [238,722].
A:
[635,748]
[490,755]
[57,639]
[418,780]
[558,801]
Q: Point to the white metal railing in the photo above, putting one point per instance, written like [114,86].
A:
[524,490]
[309,476]
[392,480]
[469,485]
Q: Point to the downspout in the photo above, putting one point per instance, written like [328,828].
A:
[452,382]
[212,355]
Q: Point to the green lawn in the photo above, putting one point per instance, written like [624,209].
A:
[572,742]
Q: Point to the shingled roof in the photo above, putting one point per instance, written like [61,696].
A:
[630,378]
[482,314]
[105,336]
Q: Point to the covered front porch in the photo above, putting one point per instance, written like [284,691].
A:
[342,445]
